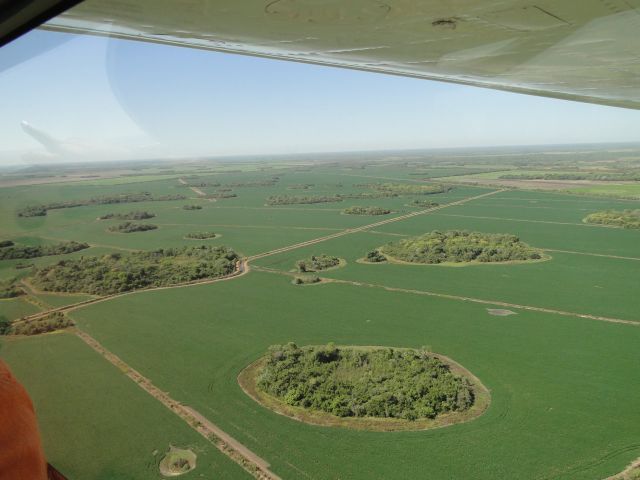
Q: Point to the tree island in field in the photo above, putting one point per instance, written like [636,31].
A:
[456,246]
[115,272]
[378,387]
[615,218]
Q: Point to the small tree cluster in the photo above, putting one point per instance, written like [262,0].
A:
[130,227]
[135,215]
[301,200]
[374,256]
[28,251]
[49,323]
[366,211]
[200,235]
[461,246]
[424,203]
[412,188]
[615,218]
[10,289]
[316,263]
[306,280]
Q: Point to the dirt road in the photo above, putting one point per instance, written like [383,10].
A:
[228,445]
[196,190]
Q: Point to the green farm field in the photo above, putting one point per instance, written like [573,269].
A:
[115,430]
[562,371]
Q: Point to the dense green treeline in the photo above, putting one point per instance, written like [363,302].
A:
[49,323]
[28,251]
[220,195]
[306,280]
[358,382]
[117,272]
[41,210]
[616,218]
[192,207]
[381,190]
[256,183]
[366,211]
[374,256]
[411,189]
[301,200]
[200,235]
[460,246]
[9,288]
[136,215]
[424,203]
[130,227]
[367,195]
[201,184]
[316,263]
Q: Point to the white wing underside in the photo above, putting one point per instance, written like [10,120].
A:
[584,50]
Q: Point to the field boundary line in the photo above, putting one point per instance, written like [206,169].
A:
[489,302]
[626,472]
[590,254]
[449,296]
[362,228]
[524,220]
[248,460]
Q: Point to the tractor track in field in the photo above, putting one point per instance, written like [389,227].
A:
[590,254]
[550,222]
[490,302]
[460,298]
[251,462]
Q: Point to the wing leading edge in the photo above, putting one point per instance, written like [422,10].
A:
[586,50]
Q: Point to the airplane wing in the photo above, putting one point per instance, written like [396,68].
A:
[583,50]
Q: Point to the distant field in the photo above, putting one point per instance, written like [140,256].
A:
[628,190]
[584,187]
[125,180]
[562,371]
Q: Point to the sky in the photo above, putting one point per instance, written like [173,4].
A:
[119,99]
